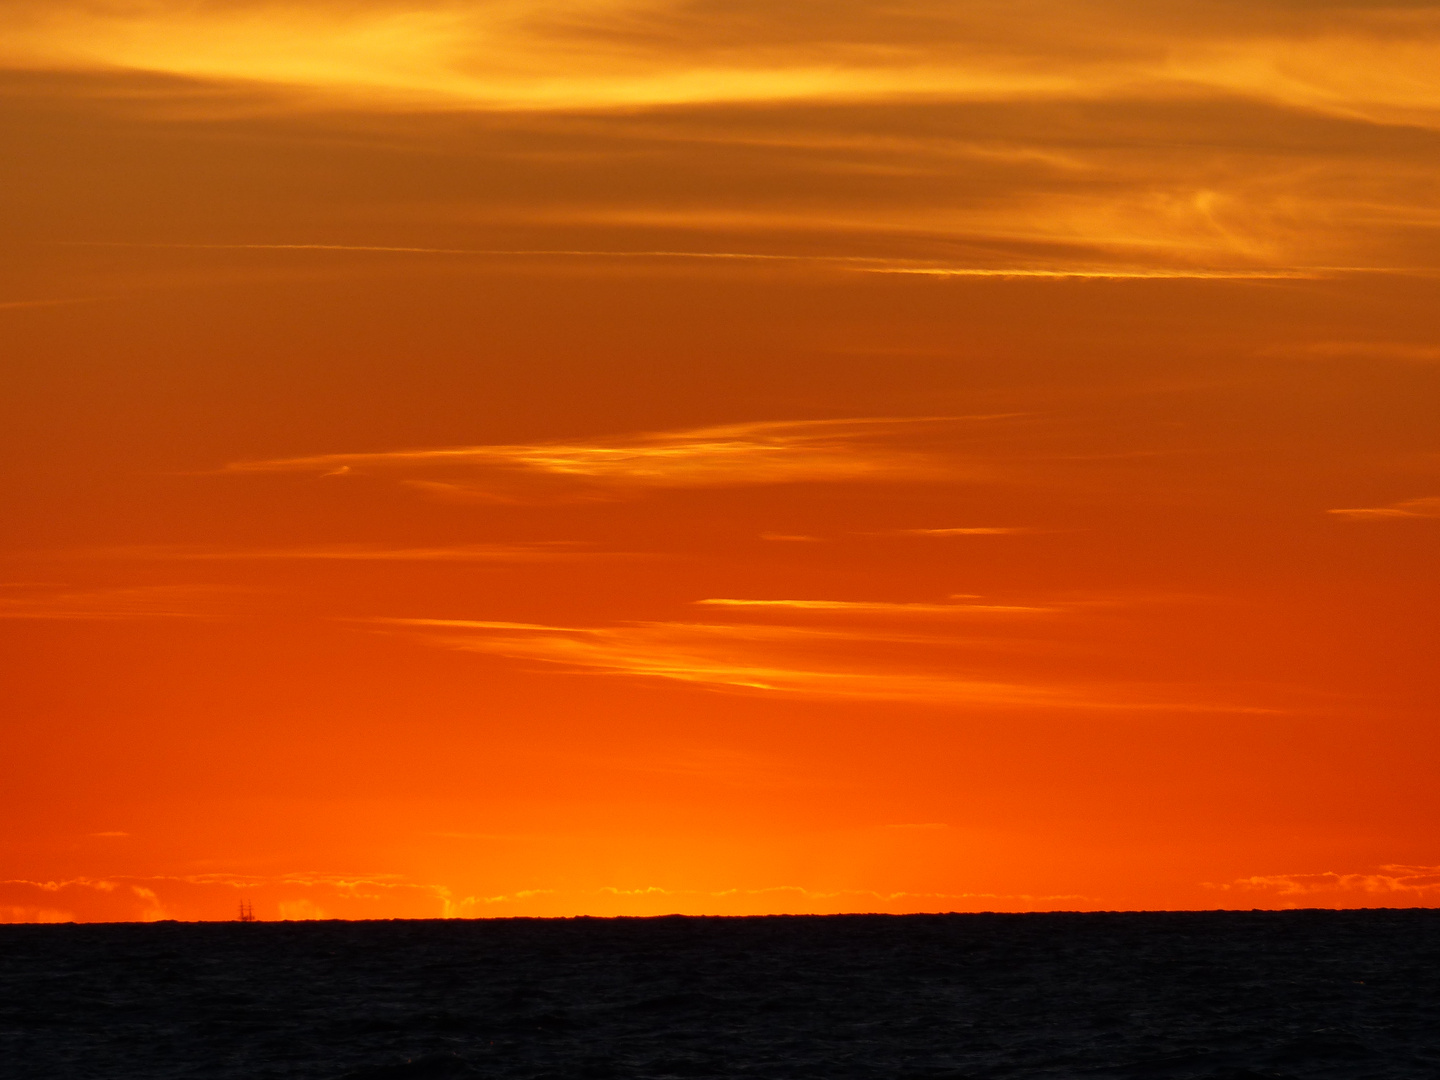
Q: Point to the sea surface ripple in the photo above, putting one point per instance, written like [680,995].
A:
[1220,995]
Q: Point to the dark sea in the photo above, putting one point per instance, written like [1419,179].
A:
[1229,995]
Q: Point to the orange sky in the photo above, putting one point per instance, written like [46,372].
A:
[617,457]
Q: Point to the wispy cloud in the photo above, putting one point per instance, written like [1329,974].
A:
[1373,63]
[797,661]
[876,607]
[1115,273]
[964,530]
[1403,351]
[1391,884]
[568,55]
[884,449]
[535,551]
[721,657]
[766,634]
[1428,507]
[471,905]
[859,261]
[867,264]
[121,602]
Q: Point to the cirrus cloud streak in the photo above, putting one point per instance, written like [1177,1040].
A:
[1371,62]
[881,449]
[1428,507]
[796,661]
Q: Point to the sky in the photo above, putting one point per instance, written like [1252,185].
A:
[624,457]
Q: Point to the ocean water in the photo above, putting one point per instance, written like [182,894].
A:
[1169,995]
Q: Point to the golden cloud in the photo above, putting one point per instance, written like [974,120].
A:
[875,607]
[1428,507]
[1102,139]
[1376,63]
[781,452]
[1405,884]
[798,661]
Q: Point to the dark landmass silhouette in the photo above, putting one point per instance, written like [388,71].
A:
[1177,995]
